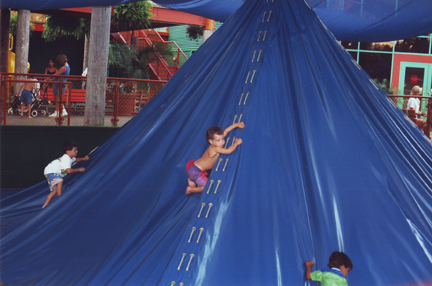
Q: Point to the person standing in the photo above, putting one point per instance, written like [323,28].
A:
[414,103]
[60,90]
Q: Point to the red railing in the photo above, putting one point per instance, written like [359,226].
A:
[169,65]
[425,109]
[181,57]
[124,98]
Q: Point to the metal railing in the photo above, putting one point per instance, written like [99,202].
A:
[425,110]
[124,98]
[163,66]
[181,58]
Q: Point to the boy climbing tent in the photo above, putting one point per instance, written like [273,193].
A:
[327,163]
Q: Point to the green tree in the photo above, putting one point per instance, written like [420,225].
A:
[136,15]
[13,24]
[58,26]
[123,61]
[384,85]
[120,59]
[147,55]
[125,16]
[194,32]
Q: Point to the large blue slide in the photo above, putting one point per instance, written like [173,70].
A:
[327,163]
[349,20]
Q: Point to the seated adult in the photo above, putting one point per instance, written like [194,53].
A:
[414,103]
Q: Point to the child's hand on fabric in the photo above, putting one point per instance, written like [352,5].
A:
[309,263]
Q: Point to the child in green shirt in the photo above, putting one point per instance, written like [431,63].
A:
[334,275]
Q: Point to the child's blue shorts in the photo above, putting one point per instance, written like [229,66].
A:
[56,89]
[53,180]
[196,175]
[26,96]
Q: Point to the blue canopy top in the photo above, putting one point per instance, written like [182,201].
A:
[327,163]
[365,20]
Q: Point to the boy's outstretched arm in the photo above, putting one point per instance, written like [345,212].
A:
[230,128]
[309,265]
[86,158]
[70,170]
[230,149]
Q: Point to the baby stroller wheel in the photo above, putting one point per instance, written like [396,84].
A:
[43,112]
[34,113]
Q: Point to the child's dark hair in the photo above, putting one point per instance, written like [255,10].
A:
[69,145]
[338,258]
[212,131]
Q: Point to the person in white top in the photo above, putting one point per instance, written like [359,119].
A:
[414,103]
[59,168]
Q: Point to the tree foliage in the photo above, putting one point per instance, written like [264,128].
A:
[120,59]
[13,24]
[124,61]
[194,32]
[384,85]
[58,26]
[146,55]
[136,14]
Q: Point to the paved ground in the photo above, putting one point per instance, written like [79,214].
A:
[75,120]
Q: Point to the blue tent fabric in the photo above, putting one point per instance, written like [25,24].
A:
[327,163]
[375,21]
[365,20]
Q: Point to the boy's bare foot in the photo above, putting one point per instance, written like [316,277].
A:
[190,190]
[30,117]
[21,115]
[191,183]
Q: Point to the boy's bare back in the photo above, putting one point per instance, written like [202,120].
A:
[210,156]
[208,159]
[28,84]
[197,176]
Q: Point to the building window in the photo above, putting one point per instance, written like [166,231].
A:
[413,45]
[377,65]
[349,45]
[383,46]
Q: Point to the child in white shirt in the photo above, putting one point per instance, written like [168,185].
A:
[59,168]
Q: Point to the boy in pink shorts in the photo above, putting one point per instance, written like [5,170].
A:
[197,170]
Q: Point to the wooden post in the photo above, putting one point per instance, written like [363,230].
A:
[134,40]
[4,39]
[85,60]
[94,113]
[86,52]
[22,44]
[208,29]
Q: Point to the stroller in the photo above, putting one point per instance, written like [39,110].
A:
[37,106]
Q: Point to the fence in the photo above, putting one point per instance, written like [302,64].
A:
[425,110]
[124,98]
